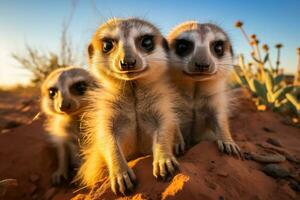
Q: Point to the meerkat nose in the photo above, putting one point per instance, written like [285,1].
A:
[127,64]
[65,106]
[202,67]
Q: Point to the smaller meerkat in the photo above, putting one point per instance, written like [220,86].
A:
[200,57]
[62,101]
[134,115]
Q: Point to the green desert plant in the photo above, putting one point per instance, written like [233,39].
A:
[267,85]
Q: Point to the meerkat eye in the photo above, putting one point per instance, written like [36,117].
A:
[183,47]
[218,48]
[79,88]
[147,42]
[52,92]
[107,45]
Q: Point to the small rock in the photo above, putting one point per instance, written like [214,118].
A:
[274,142]
[223,174]
[50,193]
[34,178]
[268,130]
[268,158]
[276,171]
[292,159]
[294,185]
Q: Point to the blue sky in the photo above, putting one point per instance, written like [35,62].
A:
[39,22]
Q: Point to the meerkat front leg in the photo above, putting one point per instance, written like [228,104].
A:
[122,178]
[225,142]
[164,163]
[221,127]
[62,169]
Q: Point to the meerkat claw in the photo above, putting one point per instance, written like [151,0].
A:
[230,148]
[165,169]
[123,183]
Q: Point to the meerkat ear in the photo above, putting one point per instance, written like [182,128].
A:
[90,50]
[165,44]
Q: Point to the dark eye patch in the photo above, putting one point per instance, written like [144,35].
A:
[146,42]
[218,48]
[79,88]
[183,47]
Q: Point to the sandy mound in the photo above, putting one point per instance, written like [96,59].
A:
[27,157]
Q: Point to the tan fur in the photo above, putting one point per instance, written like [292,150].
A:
[64,126]
[204,97]
[134,114]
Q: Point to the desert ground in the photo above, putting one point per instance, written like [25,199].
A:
[270,170]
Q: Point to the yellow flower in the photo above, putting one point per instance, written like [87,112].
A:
[261,107]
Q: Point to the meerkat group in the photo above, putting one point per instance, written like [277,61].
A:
[144,95]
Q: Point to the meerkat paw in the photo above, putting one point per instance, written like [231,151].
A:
[123,182]
[58,176]
[179,148]
[164,168]
[230,148]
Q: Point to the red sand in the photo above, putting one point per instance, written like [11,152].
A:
[27,156]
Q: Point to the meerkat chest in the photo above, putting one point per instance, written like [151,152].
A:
[64,127]
[147,108]
[204,109]
[186,104]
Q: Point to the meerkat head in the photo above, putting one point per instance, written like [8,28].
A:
[200,51]
[64,89]
[128,49]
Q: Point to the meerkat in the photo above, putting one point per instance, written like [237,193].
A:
[134,114]
[201,56]
[62,101]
